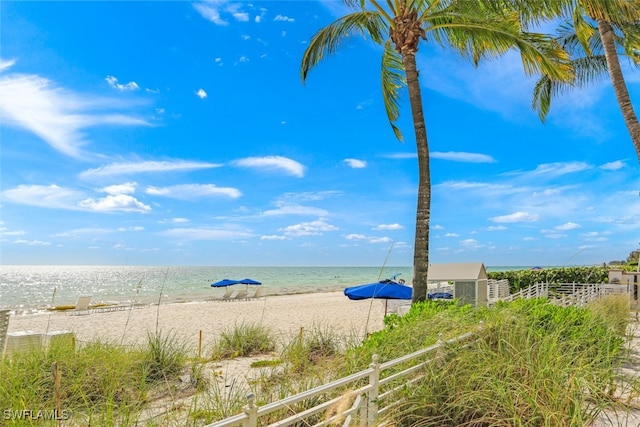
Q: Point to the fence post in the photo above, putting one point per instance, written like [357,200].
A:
[374,382]
[251,409]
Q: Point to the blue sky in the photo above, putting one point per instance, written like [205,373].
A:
[178,133]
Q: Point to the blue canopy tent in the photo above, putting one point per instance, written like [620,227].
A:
[385,289]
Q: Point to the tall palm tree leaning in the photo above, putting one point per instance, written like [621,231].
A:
[475,29]
[592,35]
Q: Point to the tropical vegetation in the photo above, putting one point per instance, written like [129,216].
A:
[595,33]
[473,29]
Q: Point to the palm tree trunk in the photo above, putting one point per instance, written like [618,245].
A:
[619,85]
[421,245]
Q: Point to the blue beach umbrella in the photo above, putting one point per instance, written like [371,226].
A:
[384,289]
[249,282]
[224,283]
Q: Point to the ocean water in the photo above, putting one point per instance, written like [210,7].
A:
[28,287]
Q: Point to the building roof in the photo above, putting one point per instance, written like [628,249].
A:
[456,271]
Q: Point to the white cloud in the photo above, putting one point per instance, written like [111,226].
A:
[257,19]
[451,235]
[394,226]
[243,59]
[201,93]
[613,166]
[193,191]
[553,170]
[355,163]
[5,65]
[296,210]
[355,237]
[246,37]
[401,156]
[437,227]
[567,226]
[458,156]
[213,11]
[496,228]
[127,188]
[314,228]
[283,18]
[119,203]
[32,242]
[206,233]
[273,237]
[145,167]
[285,164]
[471,244]
[179,220]
[51,196]
[135,228]
[380,240]
[113,82]
[57,115]
[516,217]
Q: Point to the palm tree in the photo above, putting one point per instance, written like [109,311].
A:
[592,36]
[475,29]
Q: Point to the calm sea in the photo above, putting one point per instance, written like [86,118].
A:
[25,288]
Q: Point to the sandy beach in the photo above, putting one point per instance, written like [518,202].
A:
[285,315]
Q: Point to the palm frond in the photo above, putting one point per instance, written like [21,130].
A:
[477,33]
[326,41]
[583,30]
[586,69]
[393,79]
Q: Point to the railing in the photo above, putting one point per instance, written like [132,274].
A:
[497,290]
[365,408]
[537,290]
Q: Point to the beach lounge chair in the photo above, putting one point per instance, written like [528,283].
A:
[227,294]
[258,294]
[242,295]
[82,306]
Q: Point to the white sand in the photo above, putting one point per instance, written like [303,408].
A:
[285,315]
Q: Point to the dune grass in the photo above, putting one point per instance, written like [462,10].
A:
[533,364]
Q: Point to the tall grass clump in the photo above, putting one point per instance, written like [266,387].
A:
[314,351]
[534,364]
[244,339]
[164,357]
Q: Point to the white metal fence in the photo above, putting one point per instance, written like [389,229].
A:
[369,401]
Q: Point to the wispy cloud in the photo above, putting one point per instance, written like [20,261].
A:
[313,228]
[283,18]
[55,197]
[193,191]
[289,166]
[516,217]
[394,226]
[215,9]
[354,236]
[296,210]
[113,82]
[55,114]
[552,170]
[207,233]
[613,166]
[400,156]
[128,168]
[459,156]
[355,163]
[568,226]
